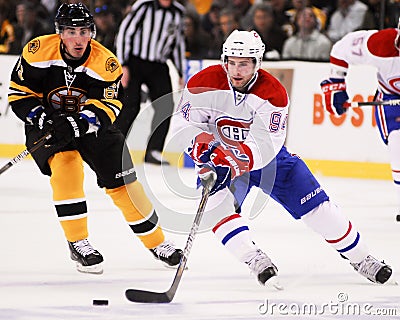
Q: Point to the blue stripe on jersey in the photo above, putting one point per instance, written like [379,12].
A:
[233,233]
[352,245]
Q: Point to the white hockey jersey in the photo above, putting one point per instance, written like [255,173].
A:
[257,118]
[374,48]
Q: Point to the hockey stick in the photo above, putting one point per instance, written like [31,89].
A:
[355,104]
[136,295]
[38,144]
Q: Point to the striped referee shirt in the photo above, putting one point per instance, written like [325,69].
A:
[153,33]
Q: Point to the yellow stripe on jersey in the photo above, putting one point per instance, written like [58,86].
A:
[103,62]
[111,107]
[42,49]
[18,92]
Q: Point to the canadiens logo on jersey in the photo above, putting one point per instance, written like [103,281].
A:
[111,64]
[33,46]
[232,131]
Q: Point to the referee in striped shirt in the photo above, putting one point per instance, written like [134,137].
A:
[148,36]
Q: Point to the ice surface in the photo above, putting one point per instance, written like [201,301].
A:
[39,281]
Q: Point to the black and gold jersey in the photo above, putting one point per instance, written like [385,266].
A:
[42,77]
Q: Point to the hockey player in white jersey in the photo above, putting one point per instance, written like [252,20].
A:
[232,119]
[380,49]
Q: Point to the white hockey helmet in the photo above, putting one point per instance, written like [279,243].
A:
[245,44]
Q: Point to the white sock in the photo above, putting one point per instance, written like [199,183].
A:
[328,220]
[234,234]
[394,154]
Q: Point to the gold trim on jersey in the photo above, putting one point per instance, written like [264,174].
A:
[18,92]
[110,107]
[101,64]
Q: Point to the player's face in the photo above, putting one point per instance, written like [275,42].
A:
[75,40]
[240,71]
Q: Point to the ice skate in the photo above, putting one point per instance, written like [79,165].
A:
[373,269]
[167,253]
[88,260]
[260,264]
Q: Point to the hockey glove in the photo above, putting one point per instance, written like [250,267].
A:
[335,95]
[66,127]
[201,147]
[37,117]
[223,176]
[238,161]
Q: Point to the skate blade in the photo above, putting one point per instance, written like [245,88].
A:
[166,265]
[95,269]
[391,282]
[274,283]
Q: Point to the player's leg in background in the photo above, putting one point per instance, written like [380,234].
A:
[394,155]
[131,99]
[305,199]
[160,92]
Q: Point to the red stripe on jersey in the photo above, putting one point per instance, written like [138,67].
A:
[396,171]
[388,90]
[382,120]
[267,87]
[345,235]
[225,220]
[376,41]
[210,79]
[338,62]
[248,152]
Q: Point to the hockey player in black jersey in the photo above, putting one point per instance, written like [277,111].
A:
[67,84]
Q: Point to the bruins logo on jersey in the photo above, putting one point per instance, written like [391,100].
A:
[33,46]
[67,100]
[111,64]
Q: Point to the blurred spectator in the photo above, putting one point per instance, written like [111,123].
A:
[200,6]
[244,11]
[197,41]
[348,17]
[228,21]
[210,21]
[282,19]
[29,25]
[271,34]
[373,18]
[307,42]
[7,35]
[106,22]
[301,4]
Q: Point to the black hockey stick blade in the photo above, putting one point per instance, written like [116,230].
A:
[144,296]
[38,144]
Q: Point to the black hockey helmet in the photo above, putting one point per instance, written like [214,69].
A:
[74,15]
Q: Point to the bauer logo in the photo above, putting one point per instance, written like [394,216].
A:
[310,195]
[124,173]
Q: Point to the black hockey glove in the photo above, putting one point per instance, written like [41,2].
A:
[65,127]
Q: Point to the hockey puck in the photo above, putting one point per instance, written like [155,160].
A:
[100,302]
[398,217]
